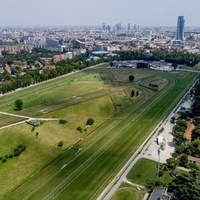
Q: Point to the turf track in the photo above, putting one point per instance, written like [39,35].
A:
[89,171]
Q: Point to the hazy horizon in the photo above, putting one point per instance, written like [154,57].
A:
[94,13]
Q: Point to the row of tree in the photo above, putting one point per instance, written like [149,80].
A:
[186,185]
[174,57]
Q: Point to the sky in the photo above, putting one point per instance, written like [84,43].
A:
[95,12]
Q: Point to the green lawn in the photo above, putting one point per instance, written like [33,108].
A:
[142,171]
[49,93]
[127,193]
[145,170]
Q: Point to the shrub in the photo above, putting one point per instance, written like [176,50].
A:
[62,121]
[60,144]
[17,153]
[16,149]
[90,121]
[79,129]
[4,160]
[10,155]
[23,147]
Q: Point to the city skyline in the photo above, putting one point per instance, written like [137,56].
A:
[91,12]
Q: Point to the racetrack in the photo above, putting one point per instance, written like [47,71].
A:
[83,174]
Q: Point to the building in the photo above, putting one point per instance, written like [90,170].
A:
[180,28]
[52,42]
[57,58]
[142,64]
[160,194]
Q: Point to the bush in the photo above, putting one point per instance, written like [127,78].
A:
[23,148]
[16,149]
[17,153]
[4,160]
[60,144]
[90,121]
[62,121]
[10,155]
[79,129]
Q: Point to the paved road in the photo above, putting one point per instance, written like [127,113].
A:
[26,119]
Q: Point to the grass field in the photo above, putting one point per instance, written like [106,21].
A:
[145,170]
[43,148]
[95,159]
[142,171]
[5,120]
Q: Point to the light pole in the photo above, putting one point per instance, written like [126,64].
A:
[158,169]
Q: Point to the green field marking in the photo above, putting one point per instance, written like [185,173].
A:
[127,192]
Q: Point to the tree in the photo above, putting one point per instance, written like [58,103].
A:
[186,186]
[183,160]
[132,93]
[172,163]
[173,120]
[182,123]
[18,104]
[131,78]
[90,121]
[111,64]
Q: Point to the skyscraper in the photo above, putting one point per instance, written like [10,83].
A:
[180,28]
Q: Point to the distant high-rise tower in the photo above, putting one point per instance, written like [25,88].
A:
[129,27]
[103,26]
[180,28]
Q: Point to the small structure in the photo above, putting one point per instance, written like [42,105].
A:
[35,122]
[142,64]
[161,141]
[159,194]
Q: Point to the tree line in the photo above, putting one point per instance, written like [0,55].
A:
[26,77]
[175,57]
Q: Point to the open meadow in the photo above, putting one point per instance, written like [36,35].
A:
[90,158]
